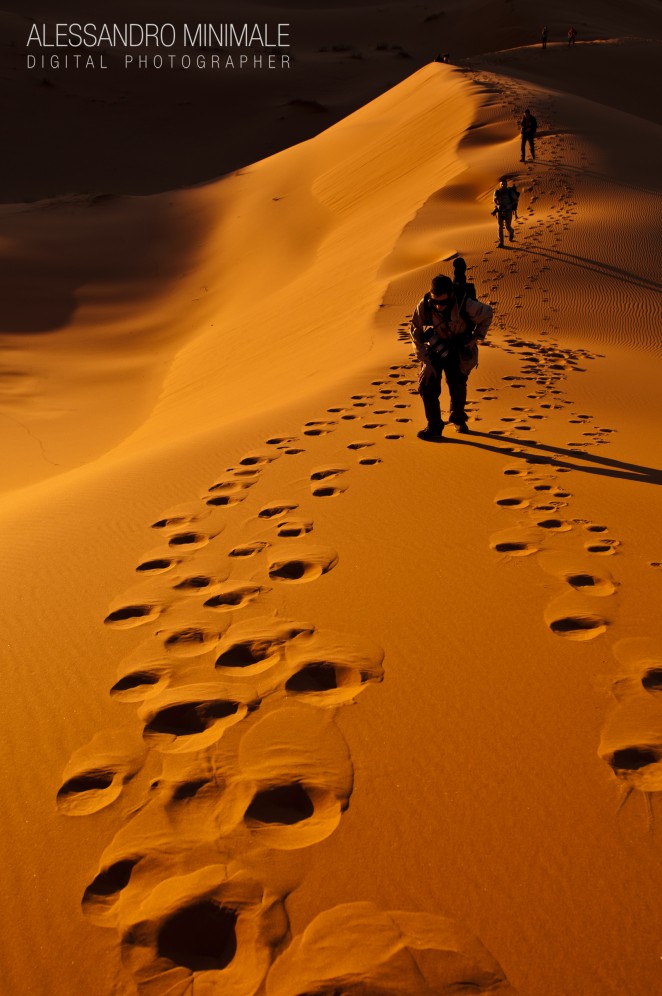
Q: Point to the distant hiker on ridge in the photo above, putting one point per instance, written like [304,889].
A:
[543,37]
[528,128]
[572,34]
[506,200]
[445,328]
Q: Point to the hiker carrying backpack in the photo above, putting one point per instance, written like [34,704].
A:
[446,327]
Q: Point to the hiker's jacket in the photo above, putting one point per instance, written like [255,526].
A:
[505,198]
[529,126]
[424,316]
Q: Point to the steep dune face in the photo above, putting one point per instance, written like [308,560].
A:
[298,702]
[247,269]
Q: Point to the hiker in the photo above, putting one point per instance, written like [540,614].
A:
[543,37]
[572,34]
[446,327]
[528,128]
[506,200]
[460,285]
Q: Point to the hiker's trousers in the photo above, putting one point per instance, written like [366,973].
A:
[528,137]
[430,391]
[505,218]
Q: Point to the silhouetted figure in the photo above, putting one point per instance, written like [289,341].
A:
[528,128]
[446,328]
[572,34]
[506,200]
[460,283]
[447,57]
[438,57]
[543,37]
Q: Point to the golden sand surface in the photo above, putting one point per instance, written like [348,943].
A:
[295,702]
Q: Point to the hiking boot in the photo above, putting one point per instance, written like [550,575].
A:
[511,236]
[428,434]
[463,427]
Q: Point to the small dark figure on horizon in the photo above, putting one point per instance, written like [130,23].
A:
[528,128]
[543,37]
[572,34]
[446,327]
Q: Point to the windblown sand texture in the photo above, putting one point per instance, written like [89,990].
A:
[295,703]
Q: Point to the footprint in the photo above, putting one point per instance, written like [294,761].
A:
[606,547]
[360,445]
[192,641]
[578,626]
[415,952]
[175,521]
[275,511]
[193,584]
[512,501]
[327,491]
[96,774]
[292,796]
[194,541]
[369,461]
[248,550]
[191,717]
[517,542]
[292,528]
[328,669]
[309,563]
[323,475]
[234,596]
[215,924]
[589,583]
[129,616]
[159,565]
[557,525]
[258,644]
[141,683]
[222,500]
[319,428]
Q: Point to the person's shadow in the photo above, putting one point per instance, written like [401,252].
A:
[556,456]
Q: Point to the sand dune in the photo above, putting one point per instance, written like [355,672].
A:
[296,702]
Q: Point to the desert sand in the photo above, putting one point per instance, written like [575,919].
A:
[295,702]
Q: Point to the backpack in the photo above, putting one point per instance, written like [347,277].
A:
[470,325]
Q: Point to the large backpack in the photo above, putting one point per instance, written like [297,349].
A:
[465,288]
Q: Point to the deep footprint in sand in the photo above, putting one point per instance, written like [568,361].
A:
[248,550]
[129,616]
[276,511]
[307,564]
[512,501]
[97,773]
[157,565]
[580,626]
[190,540]
[293,528]
[232,595]
[327,473]
[319,428]
[327,491]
